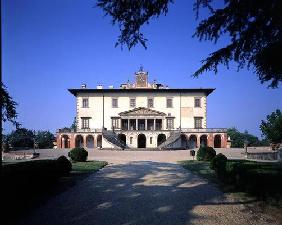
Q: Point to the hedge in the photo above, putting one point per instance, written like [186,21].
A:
[78,154]
[205,154]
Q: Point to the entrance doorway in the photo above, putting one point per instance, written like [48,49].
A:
[217,141]
[204,140]
[89,141]
[79,141]
[141,141]
[193,141]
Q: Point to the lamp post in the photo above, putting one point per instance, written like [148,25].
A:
[246,146]
[34,133]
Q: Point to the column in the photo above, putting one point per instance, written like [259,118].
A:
[146,124]
[84,141]
[128,127]
[224,140]
[154,124]
[198,141]
[136,124]
[95,141]
[72,141]
[210,140]
[63,143]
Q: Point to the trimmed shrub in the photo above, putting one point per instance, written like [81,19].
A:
[205,154]
[64,165]
[78,154]
[218,163]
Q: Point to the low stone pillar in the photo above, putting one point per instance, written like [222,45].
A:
[59,142]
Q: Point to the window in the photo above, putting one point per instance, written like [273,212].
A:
[169,103]
[85,103]
[150,103]
[170,124]
[115,123]
[132,102]
[151,140]
[84,123]
[114,102]
[197,102]
[131,140]
[198,122]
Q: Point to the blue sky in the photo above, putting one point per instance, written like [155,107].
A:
[50,46]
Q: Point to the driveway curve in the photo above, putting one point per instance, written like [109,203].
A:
[143,192]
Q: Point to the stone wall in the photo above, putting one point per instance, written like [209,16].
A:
[266,156]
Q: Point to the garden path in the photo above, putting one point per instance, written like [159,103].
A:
[143,192]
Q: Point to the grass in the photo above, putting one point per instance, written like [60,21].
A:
[269,188]
[88,166]
[200,168]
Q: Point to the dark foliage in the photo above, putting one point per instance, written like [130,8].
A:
[255,31]
[272,127]
[5,143]
[238,139]
[8,107]
[21,138]
[73,125]
[24,182]
[218,163]
[64,165]
[254,28]
[260,179]
[78,154]
[205,154]
[44,139]
[131,15]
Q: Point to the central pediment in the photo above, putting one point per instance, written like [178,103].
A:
[142,111]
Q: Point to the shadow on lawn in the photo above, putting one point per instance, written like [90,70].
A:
[134,193]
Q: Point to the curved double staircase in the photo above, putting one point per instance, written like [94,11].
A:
[173,137]
[113,138]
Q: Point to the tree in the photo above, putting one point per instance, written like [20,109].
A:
[73,126]
[254,28]
[272,127]
[9,112]
[21,138]
[44,139]
[238,138]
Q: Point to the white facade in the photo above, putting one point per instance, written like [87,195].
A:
[182,107]
[141,115]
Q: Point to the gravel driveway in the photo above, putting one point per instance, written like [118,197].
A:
[143,193]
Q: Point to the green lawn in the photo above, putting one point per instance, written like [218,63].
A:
[88,166]
[200,168]
[261,179]
[262,187]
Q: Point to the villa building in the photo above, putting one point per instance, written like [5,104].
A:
[141,115]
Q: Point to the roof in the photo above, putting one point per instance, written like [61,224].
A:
[140,90]
[142,111]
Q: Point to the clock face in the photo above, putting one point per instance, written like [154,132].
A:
[141,80]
